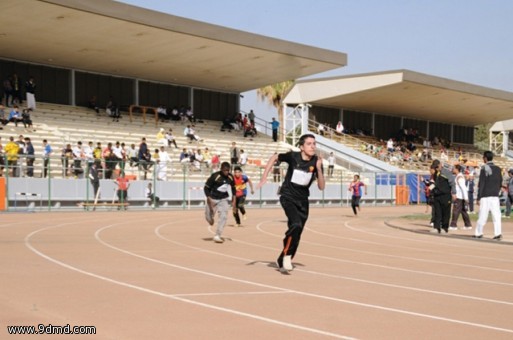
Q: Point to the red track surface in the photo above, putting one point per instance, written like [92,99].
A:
[158,275]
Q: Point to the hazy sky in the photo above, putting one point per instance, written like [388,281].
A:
[469,41]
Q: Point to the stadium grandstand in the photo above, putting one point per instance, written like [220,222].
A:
[205,67]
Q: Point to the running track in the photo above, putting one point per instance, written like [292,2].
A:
[158,275]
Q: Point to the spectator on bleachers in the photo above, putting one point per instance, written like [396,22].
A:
[3,120]
[30,89]
[249,130]
[170,138]
[175,116]
[88,154]
[22,151]
[251,116]
[97,155]
[276,171]
[411,147]
[7,92]
[196,160]
[30,157]
[78,155]
[66,157]
[132,156]
[47,153]
[243,160]
[119,156]
[207,158]
[16,93]
[227,124]
[93,105]
[331,164]
[216,160]
[162,113]
[435,141]
[25,118]
[146,162]
[234,154]
[190,115]
[238,120]
[320,129]
[108,158]
[190,133]
[390,145]
[161,137]
[274,126]
[340,128]
[184,156]
[15,116]
[182,114]
[163,161]
[112,110]
[443,156]
[11,150]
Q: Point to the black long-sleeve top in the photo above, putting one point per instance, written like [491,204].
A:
[218,185]
[489,184]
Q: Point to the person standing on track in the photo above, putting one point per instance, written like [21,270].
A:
[490,182]
[356,188]
[304,167]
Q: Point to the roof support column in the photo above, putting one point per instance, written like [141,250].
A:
[505,143]
[295,123]
[72,94]
[136,91]
[373,123]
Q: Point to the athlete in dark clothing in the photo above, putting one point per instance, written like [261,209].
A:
[304,167]
[216,189]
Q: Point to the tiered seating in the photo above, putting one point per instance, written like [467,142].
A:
[361,143]
[61,125]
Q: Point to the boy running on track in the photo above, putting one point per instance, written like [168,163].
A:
[304,167]
[241,192]
[355,188]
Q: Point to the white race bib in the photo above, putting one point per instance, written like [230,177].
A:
[301,178]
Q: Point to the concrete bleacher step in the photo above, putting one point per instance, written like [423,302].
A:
[62,125]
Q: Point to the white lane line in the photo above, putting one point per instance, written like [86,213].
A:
[323,297]
[233,293]
[171,296]
[387,267]
[27,243]
[341,277]
[394,246]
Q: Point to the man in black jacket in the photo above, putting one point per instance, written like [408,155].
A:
[443,191]
[490,182]
[216,189]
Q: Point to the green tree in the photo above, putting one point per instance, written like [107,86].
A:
[482,136]
[274,95]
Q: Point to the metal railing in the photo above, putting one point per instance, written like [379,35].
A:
[67,185]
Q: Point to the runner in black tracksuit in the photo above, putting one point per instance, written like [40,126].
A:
[304,167]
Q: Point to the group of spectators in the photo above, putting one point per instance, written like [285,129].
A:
[13,94]
[451,188]
[16,117]
[240,122]
[13,154]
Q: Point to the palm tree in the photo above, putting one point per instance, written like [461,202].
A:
[274,95]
